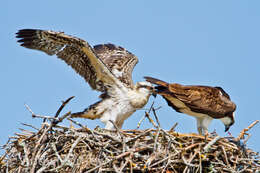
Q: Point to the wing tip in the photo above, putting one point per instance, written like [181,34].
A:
[24,32]
[26,36]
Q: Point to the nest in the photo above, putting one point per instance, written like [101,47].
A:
[57,148]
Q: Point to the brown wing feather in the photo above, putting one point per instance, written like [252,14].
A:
[120,61]
[213,101]
[204,99]
[75,52]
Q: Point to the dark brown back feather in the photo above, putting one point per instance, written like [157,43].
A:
[213,101]
[120,61]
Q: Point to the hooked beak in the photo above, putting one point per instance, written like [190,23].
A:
[154,93]
[227,127]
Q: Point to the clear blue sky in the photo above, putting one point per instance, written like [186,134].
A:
[212,43]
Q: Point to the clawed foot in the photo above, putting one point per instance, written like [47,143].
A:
[204,132]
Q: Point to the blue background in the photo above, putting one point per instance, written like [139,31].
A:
[199,42]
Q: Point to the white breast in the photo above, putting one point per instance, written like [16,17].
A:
[118,111]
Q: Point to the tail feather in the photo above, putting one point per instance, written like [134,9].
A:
[156,81]
[94,111]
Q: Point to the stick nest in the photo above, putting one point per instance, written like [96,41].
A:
[57,148]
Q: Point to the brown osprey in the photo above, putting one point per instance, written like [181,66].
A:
[107,68]
[205,103]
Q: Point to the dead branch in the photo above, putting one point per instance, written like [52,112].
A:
[242,133]
[63,105]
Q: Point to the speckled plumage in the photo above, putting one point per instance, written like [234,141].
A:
[106,67]
[203,102]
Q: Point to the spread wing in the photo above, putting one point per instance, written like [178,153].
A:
[75,52]
[120,61]
[202,99]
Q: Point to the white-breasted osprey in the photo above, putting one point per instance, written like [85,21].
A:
[205,103]
[106,67]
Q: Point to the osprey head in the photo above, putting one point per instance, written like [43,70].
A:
[228,120]
[145,88]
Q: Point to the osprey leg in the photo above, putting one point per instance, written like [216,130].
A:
[202,125]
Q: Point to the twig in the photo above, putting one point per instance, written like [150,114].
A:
[99,166]
[156,118]
[63,105]
[116,169]
[150,159]
[186,163]
[120,134]
[35,153]
[30,126]
[124,165]
[55,120]
[26,153]
[191,146]
[200,163]
[248,136]
[35,158]
[207,147]
[190,160]
[139,136]
[62,127]
[173,127]
[77,123]
[38,116]
[150,119]
[25,131]
[108,136]
[60,119]
[66,160]
[242,133]
[145,115]
[160,161]
[225,156]
[140,121]
[129,152]
[156,140]
[116,158]
[56,152]
[43,168]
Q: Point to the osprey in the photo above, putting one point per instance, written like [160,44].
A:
[106,67]
[205,103]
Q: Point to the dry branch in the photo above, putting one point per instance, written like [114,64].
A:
[243,132]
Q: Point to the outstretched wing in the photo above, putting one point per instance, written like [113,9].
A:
[120,61]
[75,52]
